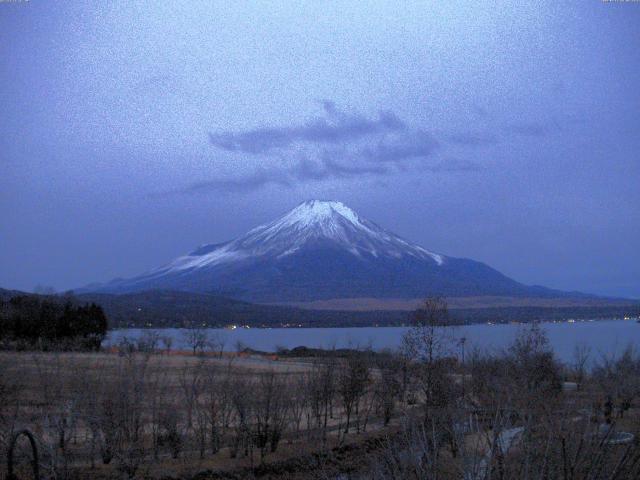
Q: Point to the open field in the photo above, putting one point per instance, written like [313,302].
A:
[408,305]
[164,414]
[142,410]
[110,415]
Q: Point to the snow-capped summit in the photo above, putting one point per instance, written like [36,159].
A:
[311,222]
[335,221]
[314,212]
[319,250]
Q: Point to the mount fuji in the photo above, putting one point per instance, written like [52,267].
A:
[323,250]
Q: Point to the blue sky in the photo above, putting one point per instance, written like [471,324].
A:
[131,132]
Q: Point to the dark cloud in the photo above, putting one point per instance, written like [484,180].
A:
[337,145]
[304,171]
[472,139]
[238,184]
[309,170]
[479,110]
[453,165]
[418,145]
[329,107]
[337,129]
[328,168]
[529,129]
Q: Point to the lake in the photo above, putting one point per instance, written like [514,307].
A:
[604,337]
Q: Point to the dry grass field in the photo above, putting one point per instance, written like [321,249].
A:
[415,414]
[157,414]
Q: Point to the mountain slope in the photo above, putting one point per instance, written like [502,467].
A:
[321,250]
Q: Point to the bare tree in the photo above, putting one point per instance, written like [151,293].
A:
[269,412]
[430,337]
[167,342]
[10,394]
[60,407]
[149,341]
[619,380]
[196,338]
[321,390]
[158,383]
[120,414]
[171,430]
[242,400]
[216,343]
[429,343]
[214,407]
[581,354]
[353,378]
[388,387]
[299,401]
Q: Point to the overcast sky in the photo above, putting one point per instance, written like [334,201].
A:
[506,132]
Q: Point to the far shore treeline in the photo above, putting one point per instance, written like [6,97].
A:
[176,309]
[51,323]
[80,321]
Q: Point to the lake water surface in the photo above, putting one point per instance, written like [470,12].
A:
[603,337]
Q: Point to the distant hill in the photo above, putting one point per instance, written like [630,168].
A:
[7,294]
[454,303]
[160,309]
[323,250]
[163,308]
[175,308]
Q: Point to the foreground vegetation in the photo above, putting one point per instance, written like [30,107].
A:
[145,411]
